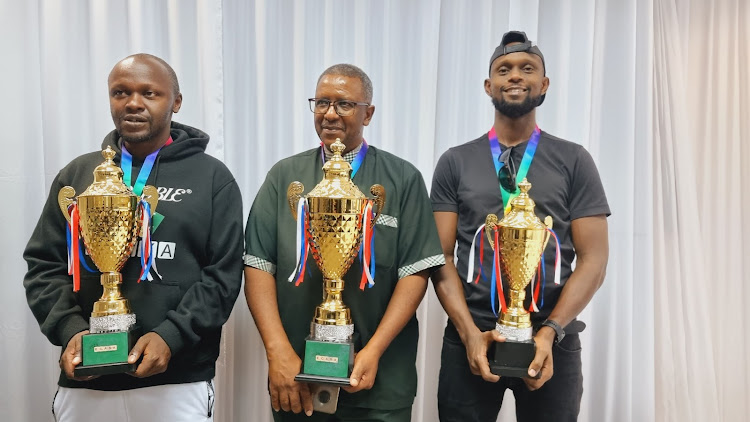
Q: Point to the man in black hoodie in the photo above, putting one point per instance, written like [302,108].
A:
[196,275]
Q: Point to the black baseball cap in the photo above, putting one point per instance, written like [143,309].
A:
[525,45]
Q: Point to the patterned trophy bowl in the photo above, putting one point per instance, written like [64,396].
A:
[335,233]
[520,253]
[522,236]
[109,228]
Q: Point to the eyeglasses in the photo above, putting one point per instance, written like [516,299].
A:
[342,107]
[507,173]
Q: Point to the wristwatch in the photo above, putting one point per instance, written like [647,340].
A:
[559,331]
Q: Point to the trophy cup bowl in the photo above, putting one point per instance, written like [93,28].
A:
[522,239]
[109,228]
[335,208]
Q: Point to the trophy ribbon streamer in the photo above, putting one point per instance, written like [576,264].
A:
[147,255]
[557,256]
[535,287]
[74,268]
[367,250]
[470,272]
[303,241]
[497,278]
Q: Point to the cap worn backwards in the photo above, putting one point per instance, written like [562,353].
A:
[524,45]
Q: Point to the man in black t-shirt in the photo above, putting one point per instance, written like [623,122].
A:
[479,178]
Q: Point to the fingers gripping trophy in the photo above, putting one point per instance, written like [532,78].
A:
[518,240]
[334,219]
[109,217]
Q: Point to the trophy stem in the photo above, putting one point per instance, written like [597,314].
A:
[333,311]
[516,316]
[111,302]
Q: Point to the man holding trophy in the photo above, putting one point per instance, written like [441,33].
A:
[360,237]
[517,175]
[134,265]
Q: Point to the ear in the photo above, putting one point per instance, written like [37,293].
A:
[177,103]
[487,88]
[545,85]
[369,111]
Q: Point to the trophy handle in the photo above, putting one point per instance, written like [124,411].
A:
[378,202]
[489,225]
[548,223]
[150,195]
[293,195]
[64,199]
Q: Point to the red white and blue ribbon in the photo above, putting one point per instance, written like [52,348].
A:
[74,268]
[367,248]
[497,276]
[557,256]
[470,273]
[303,243]
[147,255]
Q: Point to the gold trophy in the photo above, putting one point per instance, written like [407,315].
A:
[522,239]
[109,227]
[335,213]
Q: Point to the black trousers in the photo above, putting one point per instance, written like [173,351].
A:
[465,397]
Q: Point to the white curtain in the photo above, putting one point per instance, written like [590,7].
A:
[702,194]
[656,90]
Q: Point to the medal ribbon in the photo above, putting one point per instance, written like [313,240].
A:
[523,169]
[127,168]
[145,214]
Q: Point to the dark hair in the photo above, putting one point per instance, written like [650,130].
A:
[351,71]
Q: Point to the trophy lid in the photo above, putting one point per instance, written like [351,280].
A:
[521,214]
[107,178]
[337,182]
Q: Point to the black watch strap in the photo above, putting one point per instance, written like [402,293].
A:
[559,331]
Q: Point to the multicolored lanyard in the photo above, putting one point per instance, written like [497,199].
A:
[523,169]
[356,163]
[127,168]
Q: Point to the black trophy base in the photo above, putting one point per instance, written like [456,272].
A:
[104,369]
[512,359]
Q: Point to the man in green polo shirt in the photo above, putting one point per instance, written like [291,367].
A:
[384,380]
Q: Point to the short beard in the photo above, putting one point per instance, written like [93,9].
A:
[516,110]
[136,140]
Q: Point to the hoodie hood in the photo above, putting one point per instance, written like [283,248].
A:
[186,141]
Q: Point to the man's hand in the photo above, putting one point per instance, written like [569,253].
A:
[286,393]
[71,358]
[364,371]
[156,354]
[542,360]
[477,343]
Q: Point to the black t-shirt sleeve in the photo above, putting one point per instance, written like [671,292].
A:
[444,192]
[587,197]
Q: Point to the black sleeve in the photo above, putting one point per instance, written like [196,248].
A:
[587,197]
[444,193]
